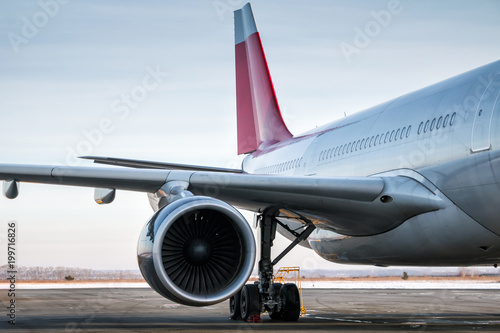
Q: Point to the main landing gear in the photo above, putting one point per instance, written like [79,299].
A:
[281,301]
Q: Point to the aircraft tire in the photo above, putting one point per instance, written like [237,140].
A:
[273,314]
[249,301]
[290,298]
[234,306]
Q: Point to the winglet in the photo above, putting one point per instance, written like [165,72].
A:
[259,117]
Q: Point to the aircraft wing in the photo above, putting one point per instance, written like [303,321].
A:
[347,205]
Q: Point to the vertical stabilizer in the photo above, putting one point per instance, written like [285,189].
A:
[259,116]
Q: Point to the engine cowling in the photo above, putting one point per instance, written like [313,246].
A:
[196,251]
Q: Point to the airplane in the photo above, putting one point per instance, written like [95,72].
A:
[412,181]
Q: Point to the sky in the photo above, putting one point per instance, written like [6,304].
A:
[155,81]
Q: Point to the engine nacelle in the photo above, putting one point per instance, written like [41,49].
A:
[196,251]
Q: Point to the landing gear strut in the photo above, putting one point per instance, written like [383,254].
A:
[282,302]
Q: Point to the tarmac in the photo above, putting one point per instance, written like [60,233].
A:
[353,310]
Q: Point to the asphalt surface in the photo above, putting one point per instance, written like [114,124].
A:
[356,310]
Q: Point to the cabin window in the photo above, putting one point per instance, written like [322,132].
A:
[439,122]
[392,136]
[433,124]
[453,117]
[408,131]
[426,127]
[420,127]
[386,137]
[397,134]
[446,119]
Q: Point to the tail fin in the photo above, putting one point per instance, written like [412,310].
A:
[259,116]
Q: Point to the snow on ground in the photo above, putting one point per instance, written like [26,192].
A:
[400,285]
[306,285]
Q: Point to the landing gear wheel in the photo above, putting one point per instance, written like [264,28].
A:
[234,306]
[274,313]
[249,301]
[290,298]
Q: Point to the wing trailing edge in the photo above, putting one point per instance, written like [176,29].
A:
[156,165]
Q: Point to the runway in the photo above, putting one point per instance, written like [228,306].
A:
[356,310]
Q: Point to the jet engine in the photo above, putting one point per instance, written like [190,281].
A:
[196,251]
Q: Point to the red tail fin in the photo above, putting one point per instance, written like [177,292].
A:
[259,116]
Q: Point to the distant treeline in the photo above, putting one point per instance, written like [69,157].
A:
[69,273]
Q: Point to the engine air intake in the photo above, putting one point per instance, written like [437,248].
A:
[201,251]
[196,251]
